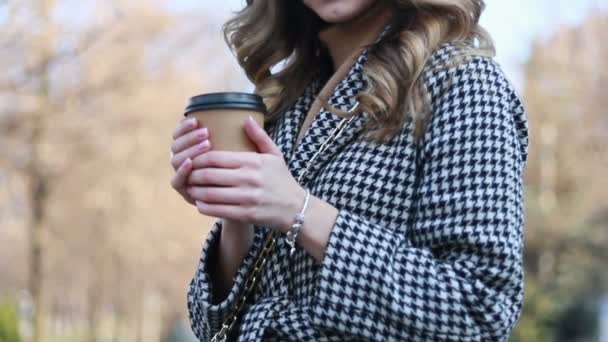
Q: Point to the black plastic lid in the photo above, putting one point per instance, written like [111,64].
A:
[226,101]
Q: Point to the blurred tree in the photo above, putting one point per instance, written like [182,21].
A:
[567,78]
[36,177]
[90,93]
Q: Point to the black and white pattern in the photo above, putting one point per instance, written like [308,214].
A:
[429,260]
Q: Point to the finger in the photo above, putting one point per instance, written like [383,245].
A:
[260,138]
[191,153]
[184,127]
[223,195]
[227,160]
[221,177]
[178,182]
[228,211]
[189,139]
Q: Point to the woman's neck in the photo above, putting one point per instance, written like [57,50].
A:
[345,39]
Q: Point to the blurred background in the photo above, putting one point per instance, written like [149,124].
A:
[94,244]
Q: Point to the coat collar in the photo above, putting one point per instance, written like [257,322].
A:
[325,123]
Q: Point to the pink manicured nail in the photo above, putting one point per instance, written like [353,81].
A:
[186,163]
[203,145]
[203,133]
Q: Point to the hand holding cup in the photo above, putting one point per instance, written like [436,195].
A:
[224,115]
[189,142]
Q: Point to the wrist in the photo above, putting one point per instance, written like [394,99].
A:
[294,231]
[294,206]
[236,233]
[318,224]
[231,225]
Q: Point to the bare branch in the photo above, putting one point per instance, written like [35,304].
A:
[34,72]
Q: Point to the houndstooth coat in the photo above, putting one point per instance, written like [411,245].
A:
[426,251]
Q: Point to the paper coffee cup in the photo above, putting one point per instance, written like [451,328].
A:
[224,115]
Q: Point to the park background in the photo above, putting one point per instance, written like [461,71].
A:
[95,245]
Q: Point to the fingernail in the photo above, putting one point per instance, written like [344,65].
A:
[203,145]
[192,122]
[203,133]
[186,163]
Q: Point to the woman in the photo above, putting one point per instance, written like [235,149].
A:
[411,143]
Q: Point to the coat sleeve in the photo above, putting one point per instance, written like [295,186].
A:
[206,315]
[456,273]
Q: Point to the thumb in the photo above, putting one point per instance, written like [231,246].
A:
[260,138]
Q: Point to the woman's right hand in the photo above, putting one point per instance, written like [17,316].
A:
[189,141]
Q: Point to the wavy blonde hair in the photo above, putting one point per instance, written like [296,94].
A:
[268,32]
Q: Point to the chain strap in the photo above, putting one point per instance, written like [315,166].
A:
[271,241]
[249,286]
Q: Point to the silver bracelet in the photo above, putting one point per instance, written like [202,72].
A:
[292,234]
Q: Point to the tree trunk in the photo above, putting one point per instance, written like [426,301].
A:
[38,182]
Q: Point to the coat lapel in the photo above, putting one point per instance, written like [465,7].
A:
[325,123]
[291,120]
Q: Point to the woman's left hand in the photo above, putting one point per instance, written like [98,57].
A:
[250,187]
